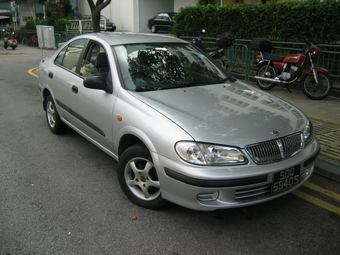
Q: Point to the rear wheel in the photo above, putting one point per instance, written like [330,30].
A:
[52,116]
[319,90]
[138,177]
[268,73]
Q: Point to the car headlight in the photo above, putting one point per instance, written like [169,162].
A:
[307,133]
[209,154]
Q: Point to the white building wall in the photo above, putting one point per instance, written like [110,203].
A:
[122,13]
[132,15]
[183,3]
[26,12]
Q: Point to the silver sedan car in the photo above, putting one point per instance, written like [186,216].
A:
[181,128]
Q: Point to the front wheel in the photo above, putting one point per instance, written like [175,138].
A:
[317,90]
[268,73]
[153,29]
[138,177]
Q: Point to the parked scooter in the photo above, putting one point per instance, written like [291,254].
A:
[223,41]
[9,41]
[274,69]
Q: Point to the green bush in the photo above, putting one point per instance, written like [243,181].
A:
[30,24]
[283,21]
[58,24]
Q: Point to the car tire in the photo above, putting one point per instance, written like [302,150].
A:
[138,178]
[153,29]
[54,122]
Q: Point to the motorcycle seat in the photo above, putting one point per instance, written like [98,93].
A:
[273,57]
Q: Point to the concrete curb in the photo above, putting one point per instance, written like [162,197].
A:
[328,168]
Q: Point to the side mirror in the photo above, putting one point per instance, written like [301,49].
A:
[96,82]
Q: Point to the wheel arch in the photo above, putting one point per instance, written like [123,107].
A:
[133,136]
[45,93]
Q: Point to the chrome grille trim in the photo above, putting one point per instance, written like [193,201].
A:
[252,192]
[275,150]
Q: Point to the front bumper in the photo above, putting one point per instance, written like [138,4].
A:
[210,188]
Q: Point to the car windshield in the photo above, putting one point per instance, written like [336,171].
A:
[155,66]
[171,14]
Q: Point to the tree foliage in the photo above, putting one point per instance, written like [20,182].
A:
[95,11]
[57,13]
[284,21]
[207,2]
[59,9]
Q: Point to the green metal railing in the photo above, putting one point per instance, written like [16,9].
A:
[30,38]
[242,58]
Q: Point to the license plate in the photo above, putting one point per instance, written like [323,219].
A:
[285,179]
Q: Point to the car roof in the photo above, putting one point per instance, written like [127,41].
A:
[118,38]
[167,12]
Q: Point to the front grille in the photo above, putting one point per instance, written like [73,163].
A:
[275,150]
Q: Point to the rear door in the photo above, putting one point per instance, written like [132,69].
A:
[60,76]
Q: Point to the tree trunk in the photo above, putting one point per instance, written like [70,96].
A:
[95,11]
[96,20]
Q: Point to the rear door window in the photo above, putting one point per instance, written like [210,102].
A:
[70,55]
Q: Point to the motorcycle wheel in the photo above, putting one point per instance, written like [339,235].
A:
[270,73]
[319,90]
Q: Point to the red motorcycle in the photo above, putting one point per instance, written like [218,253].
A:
[274,69]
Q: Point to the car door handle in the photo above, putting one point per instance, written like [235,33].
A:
[75,89]
[50,74]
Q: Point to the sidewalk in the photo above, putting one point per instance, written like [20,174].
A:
[325,115]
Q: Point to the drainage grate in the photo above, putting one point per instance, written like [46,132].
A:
[329,137]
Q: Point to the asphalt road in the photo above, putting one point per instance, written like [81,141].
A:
[60,195]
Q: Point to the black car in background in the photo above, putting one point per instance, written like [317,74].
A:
[110,26]
[163,21]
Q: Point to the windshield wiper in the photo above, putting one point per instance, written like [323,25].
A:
[178,86]
[148,88]
[189,84]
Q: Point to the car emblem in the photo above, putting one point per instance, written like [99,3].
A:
[275,132]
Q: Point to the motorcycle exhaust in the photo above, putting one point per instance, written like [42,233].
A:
[268,79]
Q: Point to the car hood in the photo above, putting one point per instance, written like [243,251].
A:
[231,113]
